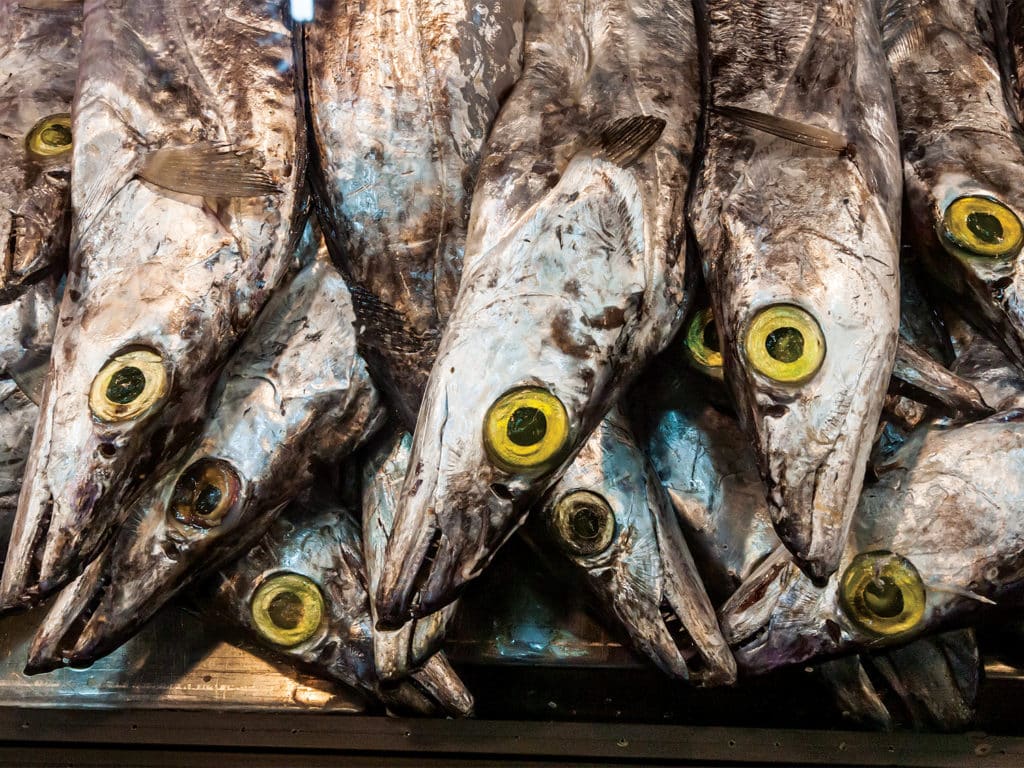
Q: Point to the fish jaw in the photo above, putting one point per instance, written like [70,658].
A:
[433,690]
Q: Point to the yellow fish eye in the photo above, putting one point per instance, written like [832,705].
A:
[784,343]
[205,493]
[583,522]
[882,593]
[526,429]
[50,137]
[982,226]
[702,344]
[128,386]
[287,609]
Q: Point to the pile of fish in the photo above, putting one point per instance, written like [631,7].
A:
[714,303]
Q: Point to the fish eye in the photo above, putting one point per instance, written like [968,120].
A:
[128,386]
[702,344]
[205,493]
[287,609]
[882,593]
[50,137]
[784,343]
[982,226]
[583,522]
[526,429]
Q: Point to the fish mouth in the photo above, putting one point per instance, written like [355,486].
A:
[402,597]
[398,653]
[433,690]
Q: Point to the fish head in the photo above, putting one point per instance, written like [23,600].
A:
[532,355]
[35,142]
[808,353]
[937,539]
[972,227]
[609,517]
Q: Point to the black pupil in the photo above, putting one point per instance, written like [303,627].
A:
[207,499]
[586,523]
[883,598]
[711,337]
[126,385]
[286,610]
[985,227]
[526,426]
[785,344]
[56,135]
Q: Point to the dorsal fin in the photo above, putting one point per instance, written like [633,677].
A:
[903,28]
[792,130]
[623,141]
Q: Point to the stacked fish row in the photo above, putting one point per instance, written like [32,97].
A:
[438,251]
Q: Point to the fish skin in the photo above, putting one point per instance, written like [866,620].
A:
[38,64]
[948,501]
[959,136]
[402,95]
[598,289]
[778,222]
[295,396]
[986,366]
[647,563]
[150,267]
[710,472]
[1015,34]
[395,652]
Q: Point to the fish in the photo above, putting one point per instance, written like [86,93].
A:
[187,211]
[302,592]
[610,520]
[1015,32]
[38,65]
[402,95]
[930,684]
[574,259]
[936,542]
[796,212]
[295,397]
[963,161]
[398,651]
[709,471]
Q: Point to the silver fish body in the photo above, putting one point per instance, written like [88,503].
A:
[609,517]
[398,651]
[962,156]
[710,472]
[162,282]
[38,63]
[322,548]
[802,239]
[402,95]
[574,261]
[937,540]
[296,395]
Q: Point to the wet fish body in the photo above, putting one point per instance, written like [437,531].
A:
[962,156]
[187,211]
[301,592]
[609,519]
[574,259]
[796,212]
[295,396]
[38,63]
[402,96]
[938,536]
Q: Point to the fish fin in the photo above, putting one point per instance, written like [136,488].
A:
[903,32]
[623,141]
[30,374]
[381,324]
[791,130]
[928,381]
[208,170]
[952,589]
